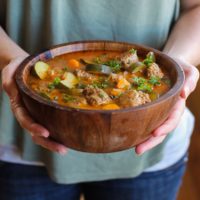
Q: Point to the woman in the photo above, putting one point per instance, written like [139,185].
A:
[155,174]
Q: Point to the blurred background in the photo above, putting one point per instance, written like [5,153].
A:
[190,189]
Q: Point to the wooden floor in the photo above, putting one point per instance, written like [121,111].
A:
[190,189]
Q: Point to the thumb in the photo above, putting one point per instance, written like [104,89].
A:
[8,82]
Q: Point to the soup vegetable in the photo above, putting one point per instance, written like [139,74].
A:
[105,80]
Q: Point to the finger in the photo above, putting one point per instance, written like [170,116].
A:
[50,144]
[8,82]
[172,120]
[17,106]
[190,83]
[25,120]
[191,79]
[149,144]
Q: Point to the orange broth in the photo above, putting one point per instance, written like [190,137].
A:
[60,64]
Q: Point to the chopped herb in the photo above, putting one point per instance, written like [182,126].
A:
[142,84]
[133,51]
[145,88]
[101,84]
[81,86]
[56,81]
[139,81]
[154,80]
[67,98]
[95,84]
[115,65]
[51,86]
[65,69]
[150,58]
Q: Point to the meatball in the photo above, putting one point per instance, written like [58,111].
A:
[85,75]
[120,81]
[115,77]
[133,98]
[154,70]
[78,101]
[128,59]
[96,96]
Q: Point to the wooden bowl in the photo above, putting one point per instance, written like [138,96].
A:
[99,130]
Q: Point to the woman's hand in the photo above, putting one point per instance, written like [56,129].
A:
[38,133]
[159,134]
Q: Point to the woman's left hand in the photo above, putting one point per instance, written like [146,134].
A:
[160,133]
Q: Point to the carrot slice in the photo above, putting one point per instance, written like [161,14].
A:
[111,106]
[116,92]
[123,83]
[73,63]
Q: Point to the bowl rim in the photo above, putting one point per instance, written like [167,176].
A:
[33,95]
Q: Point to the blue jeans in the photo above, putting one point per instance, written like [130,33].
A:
[23,182]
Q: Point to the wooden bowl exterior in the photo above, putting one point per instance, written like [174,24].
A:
[98,130]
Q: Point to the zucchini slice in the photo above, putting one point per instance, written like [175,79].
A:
[45,95]
[136,67]
[76,91]
[153,96]
[41,69]
[86,62]
[70,80]
[98,69]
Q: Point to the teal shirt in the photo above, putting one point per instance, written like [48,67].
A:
[36,25]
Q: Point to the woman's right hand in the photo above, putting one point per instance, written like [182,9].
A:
[38,133]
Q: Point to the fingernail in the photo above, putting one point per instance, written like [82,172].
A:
[62,151]
[45,135]
[39,134]
[42,134]
[139,152]
[186,92]
[156,134]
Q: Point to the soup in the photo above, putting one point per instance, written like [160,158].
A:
[107,80]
